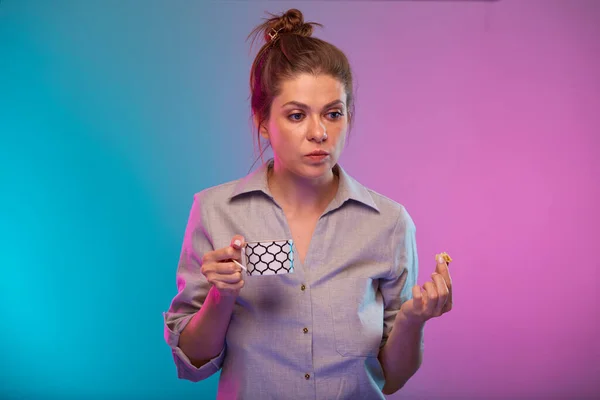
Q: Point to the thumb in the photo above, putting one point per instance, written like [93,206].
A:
[237,242]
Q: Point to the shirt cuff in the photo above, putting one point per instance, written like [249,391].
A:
[185,369]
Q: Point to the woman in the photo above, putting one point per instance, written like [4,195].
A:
[348,323]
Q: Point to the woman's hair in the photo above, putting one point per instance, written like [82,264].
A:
[290,50]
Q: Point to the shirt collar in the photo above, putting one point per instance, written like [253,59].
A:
[348,189]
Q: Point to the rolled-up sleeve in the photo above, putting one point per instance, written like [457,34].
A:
[192,289]
[397,287]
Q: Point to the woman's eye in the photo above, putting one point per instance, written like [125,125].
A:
[295,116]
[336,114]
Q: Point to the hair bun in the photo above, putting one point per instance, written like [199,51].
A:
[291,21]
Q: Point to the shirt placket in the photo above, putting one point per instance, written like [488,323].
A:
[305,335]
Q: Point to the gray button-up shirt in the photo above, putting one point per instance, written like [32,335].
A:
[314,333]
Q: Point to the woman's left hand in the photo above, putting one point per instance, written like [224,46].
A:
[431,300]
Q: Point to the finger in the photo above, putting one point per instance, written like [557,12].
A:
[442,269]
[442,291]
[448,306]
[229,287]
[222,254]
[225,278]
[224,268]
[417,298]
[219,268]
[237,243]
[446,257]
[432,297]
[441,264]
[239,285]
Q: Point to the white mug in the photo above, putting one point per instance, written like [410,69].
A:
[269,257]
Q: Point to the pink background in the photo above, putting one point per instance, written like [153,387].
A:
[485,119]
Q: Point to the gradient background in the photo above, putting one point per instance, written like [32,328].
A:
[481,118]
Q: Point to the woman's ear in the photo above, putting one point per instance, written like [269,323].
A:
[262,130]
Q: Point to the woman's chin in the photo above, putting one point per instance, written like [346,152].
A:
[315,171]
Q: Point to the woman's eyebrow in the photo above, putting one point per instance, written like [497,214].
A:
[303,106]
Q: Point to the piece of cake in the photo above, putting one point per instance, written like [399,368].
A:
[446,256]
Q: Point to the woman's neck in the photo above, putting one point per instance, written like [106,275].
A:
[301,196]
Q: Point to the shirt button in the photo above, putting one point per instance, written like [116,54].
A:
[307,376]
[305,330]
[302,287]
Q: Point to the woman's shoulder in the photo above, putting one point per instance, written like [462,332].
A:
[224,192]
[390,208]
[386,207]
[217,194]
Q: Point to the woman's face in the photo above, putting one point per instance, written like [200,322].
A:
[309,115]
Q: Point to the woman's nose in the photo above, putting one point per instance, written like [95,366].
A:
[317,132]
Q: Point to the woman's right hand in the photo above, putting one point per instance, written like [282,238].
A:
[221,271]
